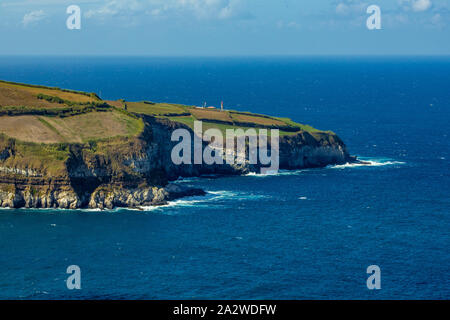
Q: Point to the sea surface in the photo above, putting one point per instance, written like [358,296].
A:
[307,234]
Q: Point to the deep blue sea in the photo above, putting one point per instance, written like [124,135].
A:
[308,234]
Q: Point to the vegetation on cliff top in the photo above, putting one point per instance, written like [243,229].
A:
[41,121]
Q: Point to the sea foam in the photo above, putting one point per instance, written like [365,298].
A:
[368,162]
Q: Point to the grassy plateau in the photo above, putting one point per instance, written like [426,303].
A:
[42,121]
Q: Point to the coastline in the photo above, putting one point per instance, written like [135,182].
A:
[84,186]
[198,194]
[129,161]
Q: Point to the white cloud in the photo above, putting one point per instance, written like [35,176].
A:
[416,5]
[33,17]
[347,7]
[115,7]
[436,19]
[342,8]
[207,9]
[201,9]
[421,5]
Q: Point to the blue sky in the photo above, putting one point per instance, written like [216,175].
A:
[225,27]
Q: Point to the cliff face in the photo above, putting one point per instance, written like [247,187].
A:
[305,151]
[132,172]
[298,151]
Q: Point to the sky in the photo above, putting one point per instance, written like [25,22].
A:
[225,27]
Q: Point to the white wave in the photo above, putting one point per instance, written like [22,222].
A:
[236,195]
[368,162]
[275,174]
[208,200]
[184,180]
[93,210]
[185,202]
[52,210]
[223,194]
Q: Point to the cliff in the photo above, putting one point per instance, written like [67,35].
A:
[66,149]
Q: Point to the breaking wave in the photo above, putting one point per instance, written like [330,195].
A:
[211,198]
[368,162]
[276,174]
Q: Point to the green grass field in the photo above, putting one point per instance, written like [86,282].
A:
[40,127]
[42,121]
[43,114]
[215,118]
[155,109]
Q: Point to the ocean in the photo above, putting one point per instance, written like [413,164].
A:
[305,234]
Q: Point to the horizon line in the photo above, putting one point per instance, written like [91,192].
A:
[227,56]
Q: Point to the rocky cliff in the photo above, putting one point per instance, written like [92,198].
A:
[136,171]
